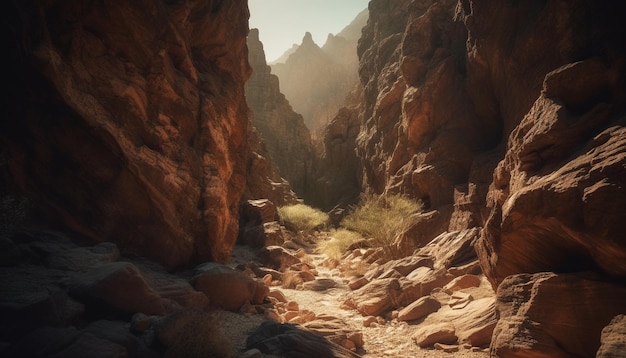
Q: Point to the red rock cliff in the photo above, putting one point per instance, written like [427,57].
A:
[508,116]
[127,121]
[287,139]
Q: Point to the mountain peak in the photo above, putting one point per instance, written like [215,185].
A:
[307,39]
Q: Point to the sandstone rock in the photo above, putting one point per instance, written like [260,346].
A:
[120,286]
[358,283]
[319,284]
[419,309]
[32,298]
[278,258]
[426,226]
[327,325]
[171,287]
[459,300]
[426,336]
[452,249]
[462,282]
[337,173]
[534,308]
[227,288]
[575,230]
[408,264]
[277,295]
[258,211]
[84,258]
[283,131]
[613,339]
[266,234]
[448,348]
[472,324]
[376,297]
[143,145]
[280,339]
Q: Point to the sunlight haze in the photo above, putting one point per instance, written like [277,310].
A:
[282,23]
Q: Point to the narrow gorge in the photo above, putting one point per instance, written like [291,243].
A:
[147,150]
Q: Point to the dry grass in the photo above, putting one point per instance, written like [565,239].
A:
[338,242]
[381,219]
[302,217]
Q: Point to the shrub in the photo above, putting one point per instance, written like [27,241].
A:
[339,242]
[381,219]
[301,217]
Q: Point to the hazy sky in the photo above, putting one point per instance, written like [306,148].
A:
[282,23]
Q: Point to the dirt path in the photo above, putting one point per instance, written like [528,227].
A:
[381,339]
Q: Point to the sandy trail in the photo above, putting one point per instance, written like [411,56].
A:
[384,339]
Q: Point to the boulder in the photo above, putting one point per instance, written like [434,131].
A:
[376,297]
[428,335]
[534,308]
[84,258]
[278,258]
[227,288]
[472,324]
[613,338]
[419,309]
[119,286]
[288,339]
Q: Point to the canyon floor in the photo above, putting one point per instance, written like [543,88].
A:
[380,339]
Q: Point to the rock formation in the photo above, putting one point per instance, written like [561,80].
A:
[283,132]
[509,118]
[337,170]
[127,121]
[316,80]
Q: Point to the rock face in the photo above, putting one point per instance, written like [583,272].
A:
[337,171]
[508,118]
[127,121]
[317,79]
[286,138]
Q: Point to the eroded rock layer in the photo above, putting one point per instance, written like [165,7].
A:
[509,117]
[127,121]
[286,138]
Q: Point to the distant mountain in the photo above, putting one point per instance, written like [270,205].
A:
[352,32]
[283,58]
[316,79]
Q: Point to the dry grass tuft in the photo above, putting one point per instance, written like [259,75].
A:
[381,219]
[301,217]
[338,242]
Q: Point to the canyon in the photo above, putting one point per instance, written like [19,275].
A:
[141,142]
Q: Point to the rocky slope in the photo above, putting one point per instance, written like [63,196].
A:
[128,121]
[507,117]
[286,138]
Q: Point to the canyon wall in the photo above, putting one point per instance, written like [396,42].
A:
[286,138]
[507,116]
[127,121]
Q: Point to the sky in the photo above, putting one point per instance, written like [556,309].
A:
[282,23]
